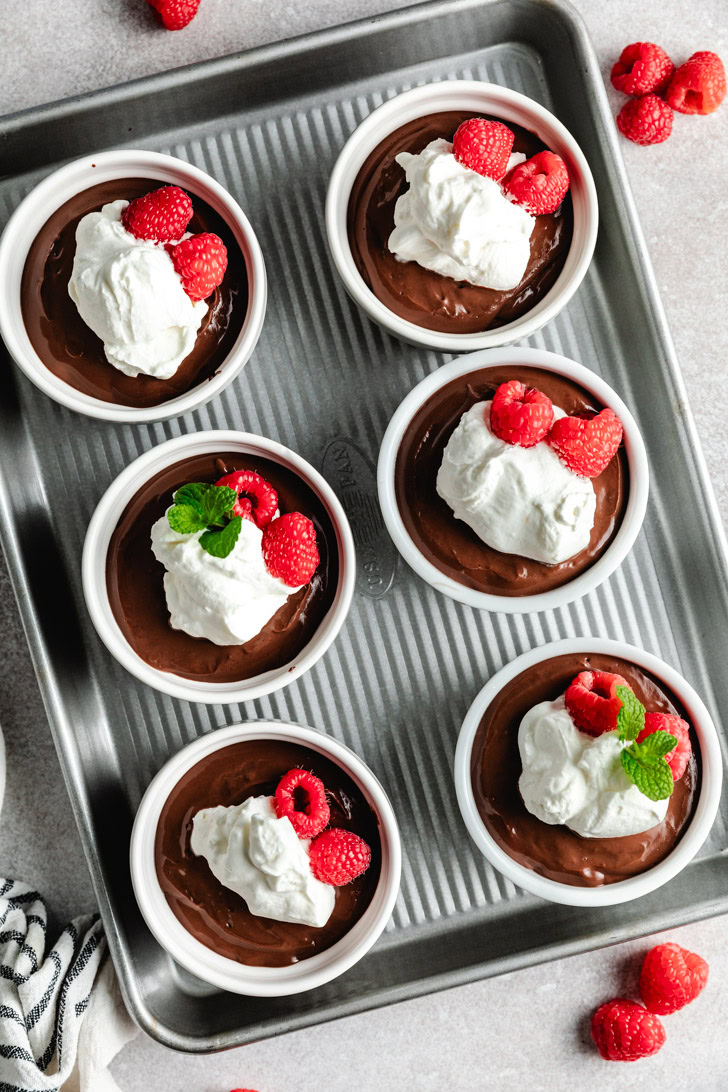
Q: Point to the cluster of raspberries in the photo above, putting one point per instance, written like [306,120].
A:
[163,216]
[539,185]
[524,416]
[670,978]
[658,88]
[337,856]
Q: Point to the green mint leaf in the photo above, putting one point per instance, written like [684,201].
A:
[656,744]
[651,774]
[217,503]
[631,717]
[192,494]
[199,506]
[221,543]
[186,519]
[214,502]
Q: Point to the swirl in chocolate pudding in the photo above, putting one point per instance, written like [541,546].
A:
[134,578]
[419,295]
[218,917]
[556,851]
[72,351]
[450,544]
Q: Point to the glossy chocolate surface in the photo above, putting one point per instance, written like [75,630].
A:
[556,851]
[134,578]
[449,543]
[419,295]
[218,917]
[73,352]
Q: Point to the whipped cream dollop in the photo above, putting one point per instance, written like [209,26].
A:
[226,600]
[128,291]
[518,500]
[459,223]
[260,857]
[578,780]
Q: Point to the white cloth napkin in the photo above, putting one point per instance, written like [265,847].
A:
[62,1018]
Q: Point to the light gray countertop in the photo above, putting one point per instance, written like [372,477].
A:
[527,1030]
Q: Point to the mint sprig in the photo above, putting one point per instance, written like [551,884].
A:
[220,543]
[644,763]
[631,717]
[199,506]
[186,519]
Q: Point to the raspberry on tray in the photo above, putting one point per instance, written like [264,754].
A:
[175,14]
[699,85]
[671,977]
[645,121]
[642,68]
[625,1031]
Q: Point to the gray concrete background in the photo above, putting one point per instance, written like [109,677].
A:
[524,1031]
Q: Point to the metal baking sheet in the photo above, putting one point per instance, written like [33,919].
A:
[324,380]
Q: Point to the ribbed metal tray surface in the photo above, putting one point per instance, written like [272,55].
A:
[325,381]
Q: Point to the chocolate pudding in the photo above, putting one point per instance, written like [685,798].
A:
[556,851]
[73,352]
[450,544]
[419,295]
[134,578]
[218,917]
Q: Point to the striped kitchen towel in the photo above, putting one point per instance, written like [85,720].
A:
[55,1033]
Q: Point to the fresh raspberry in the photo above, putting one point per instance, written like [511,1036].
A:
[175,14]
[339,856]
[679,756]
[289,549]
[257,499]
[301,797]
[539,185]
[483,146]
[624,1032]
[587,444]
[593,702]
[671,977]
[162,215]
[520,415]
[645,121]
[698,86]
[643,67]
[201,262]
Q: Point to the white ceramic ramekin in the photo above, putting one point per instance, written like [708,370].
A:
[202,961]
[59,187]
[104,521]
[480,98]
[635,886]
[590,578]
